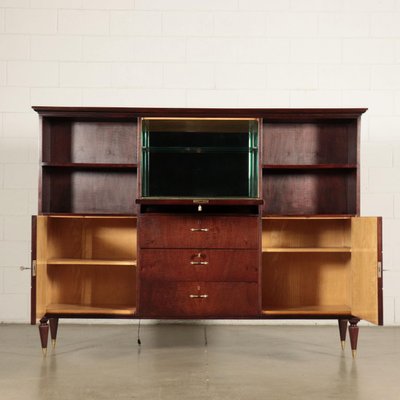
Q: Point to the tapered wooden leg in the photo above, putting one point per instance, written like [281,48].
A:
[353,333]
[44,334]
[53,330]
[342,331]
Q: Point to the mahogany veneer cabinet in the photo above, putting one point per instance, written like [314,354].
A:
[203,213]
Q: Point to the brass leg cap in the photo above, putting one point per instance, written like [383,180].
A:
[343,342]
[44,350]
[354,353]
[53,343]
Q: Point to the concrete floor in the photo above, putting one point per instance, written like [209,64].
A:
[238,362]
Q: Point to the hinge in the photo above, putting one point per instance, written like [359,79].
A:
[379,269]
[33,267]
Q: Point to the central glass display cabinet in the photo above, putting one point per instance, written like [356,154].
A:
[199,158]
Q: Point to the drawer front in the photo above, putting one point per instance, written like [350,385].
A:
[199,265]
[198,299]
[188,231]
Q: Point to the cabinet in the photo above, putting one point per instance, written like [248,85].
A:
[203,213]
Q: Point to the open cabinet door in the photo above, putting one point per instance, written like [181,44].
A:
[41,266]
[33,270]
[366,269]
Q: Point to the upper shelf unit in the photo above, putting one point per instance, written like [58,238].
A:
[311,167]
[296,161]
[88,165]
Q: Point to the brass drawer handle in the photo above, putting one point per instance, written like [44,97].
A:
[198,296]
[199,262]
[199,229]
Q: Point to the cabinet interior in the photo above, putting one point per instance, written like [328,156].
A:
[320,266]
[306,266]
[87,265]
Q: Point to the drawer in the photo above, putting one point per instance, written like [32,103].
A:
[189,231]
[199,265]
[198,299]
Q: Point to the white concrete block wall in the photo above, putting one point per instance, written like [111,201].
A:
[190,53]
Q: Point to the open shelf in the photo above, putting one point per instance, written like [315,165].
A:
[88,141]
[86,191]
[78,309]
[81,262]
[310,167]
[89,166]
[310,143]
[308,310]
[306,249]
[310,192]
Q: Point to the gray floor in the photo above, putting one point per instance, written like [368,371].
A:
[238,362]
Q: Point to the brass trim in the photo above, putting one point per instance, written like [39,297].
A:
[199,262]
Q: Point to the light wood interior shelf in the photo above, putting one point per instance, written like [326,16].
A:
[306,250]
[102,309]
[75,261]
[308,310]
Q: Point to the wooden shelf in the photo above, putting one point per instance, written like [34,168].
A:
[306,217]
[92,217]
[309,166]
[75,309]
[308,310]
[89,165]
[306,250]
[198,201]
[77,261]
